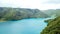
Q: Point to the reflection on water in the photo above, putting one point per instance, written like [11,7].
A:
[25,26]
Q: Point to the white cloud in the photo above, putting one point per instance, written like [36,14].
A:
[40,4]
[53,1]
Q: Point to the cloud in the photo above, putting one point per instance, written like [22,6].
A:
[53,1]
[40,4]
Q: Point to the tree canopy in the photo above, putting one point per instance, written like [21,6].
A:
[53,27]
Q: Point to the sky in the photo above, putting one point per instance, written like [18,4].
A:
[33,4]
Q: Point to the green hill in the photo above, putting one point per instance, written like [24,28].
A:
[7,13]
[51,12]
[53,27]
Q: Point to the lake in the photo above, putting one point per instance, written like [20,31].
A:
[24,26]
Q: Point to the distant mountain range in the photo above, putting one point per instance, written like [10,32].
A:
[52,12]
[7,13]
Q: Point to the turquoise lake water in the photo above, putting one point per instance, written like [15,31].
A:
[24,26]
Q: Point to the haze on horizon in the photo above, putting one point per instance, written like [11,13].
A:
[39,4]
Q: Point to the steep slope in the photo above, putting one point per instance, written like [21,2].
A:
[53,27]
[7,13]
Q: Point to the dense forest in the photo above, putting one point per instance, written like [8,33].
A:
[53,27]
[7,13]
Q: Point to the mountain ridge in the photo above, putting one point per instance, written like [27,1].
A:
[20,13]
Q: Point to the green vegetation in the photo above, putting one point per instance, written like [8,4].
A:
[7,13]
[48,20]
[53,27]
[51,12]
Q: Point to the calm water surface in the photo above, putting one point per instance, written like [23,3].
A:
[25,26]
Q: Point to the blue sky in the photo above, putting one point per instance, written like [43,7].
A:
[39,4]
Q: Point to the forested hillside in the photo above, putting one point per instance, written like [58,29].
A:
[53,27]
[51,12]
[7,13]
